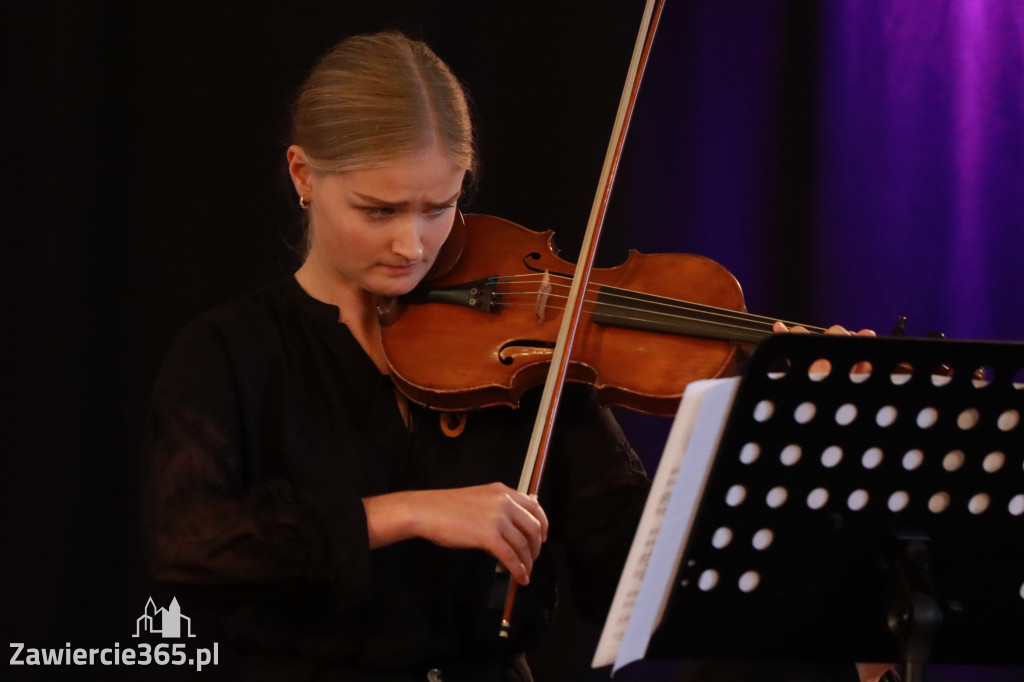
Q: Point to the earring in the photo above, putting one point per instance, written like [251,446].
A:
[303,203]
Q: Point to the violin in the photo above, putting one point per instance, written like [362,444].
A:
[480,330]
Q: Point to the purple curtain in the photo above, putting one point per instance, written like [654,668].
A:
[921,160]
[848,161]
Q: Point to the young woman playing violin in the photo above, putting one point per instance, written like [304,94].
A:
[333,529]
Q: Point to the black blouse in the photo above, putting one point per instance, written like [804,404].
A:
[270,424]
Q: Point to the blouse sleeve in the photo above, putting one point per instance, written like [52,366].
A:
[215,513]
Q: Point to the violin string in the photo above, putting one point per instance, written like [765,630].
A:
[664,302]
[740,319]
[657,305]
[698,313]
[704,321]
[613,292]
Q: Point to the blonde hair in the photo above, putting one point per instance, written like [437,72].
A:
[374,98]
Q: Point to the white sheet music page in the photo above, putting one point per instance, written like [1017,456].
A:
[654,556]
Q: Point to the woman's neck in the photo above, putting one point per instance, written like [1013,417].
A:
[357,310]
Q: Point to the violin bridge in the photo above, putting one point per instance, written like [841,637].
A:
[543,294]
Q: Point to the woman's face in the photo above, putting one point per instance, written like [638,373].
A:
[379,230]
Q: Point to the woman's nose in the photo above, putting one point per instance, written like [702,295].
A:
[407,240]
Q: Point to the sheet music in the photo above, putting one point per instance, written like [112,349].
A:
[654,556]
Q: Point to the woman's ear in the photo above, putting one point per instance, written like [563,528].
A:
[301,171]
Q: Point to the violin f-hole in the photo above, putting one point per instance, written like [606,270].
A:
[523,350]
[534,256]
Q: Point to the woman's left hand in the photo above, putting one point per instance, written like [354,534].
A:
[834,329]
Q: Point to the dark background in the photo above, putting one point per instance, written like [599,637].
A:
[849,162]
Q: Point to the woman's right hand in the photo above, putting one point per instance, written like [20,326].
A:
[510,525]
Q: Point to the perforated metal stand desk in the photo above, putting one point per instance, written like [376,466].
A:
[873,511]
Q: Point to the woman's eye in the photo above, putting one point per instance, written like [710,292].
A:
[378,211]
[440,210]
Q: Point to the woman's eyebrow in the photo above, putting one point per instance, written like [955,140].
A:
[450,200]
[370,199]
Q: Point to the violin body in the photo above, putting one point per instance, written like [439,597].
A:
[482,333]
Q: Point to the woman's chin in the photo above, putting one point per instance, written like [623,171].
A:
[396,286]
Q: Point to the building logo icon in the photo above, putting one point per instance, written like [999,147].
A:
[167,621]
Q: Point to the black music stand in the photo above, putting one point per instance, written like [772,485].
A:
[861,516]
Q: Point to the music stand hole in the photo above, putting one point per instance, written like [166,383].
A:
[845,414]
[968,419]
[942,376]
[749,581]
[762,539]
[817,498]
[1016,505]
[886,416]
[993,462]
[735,496]
[805,412]
[708,580]
[831,456]
[982,376]
[778,369]
[860,372]
[819,370]
[927,417]
[871,458]
[857,500]
[790,455]
[953,460]
[898,501]
[776,497]
[1008,420]
[721,538]
[938,503]
[901,374]
[913,459]
[749,453]
[1018,379]
[763,410]
[978,504]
